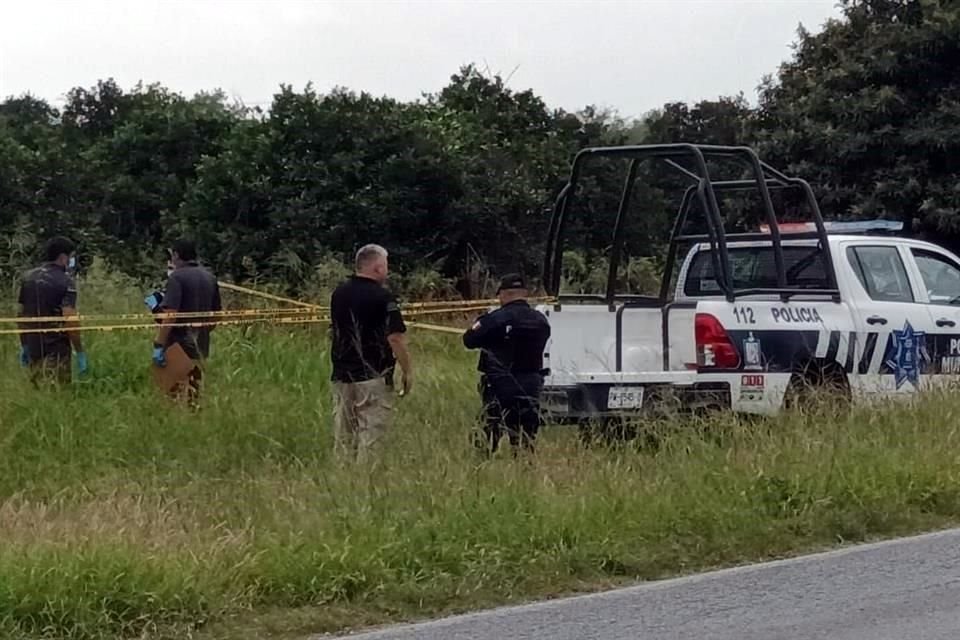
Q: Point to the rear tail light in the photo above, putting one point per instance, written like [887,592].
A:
[715,350]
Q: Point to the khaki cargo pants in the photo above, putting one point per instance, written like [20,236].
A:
[362,414]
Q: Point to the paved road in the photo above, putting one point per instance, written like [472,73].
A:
[907,589]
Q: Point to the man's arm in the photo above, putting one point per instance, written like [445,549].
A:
[485,330]
[397,337]
[71,324]
[163,332]
[170,306]
[22,313]
[398,343]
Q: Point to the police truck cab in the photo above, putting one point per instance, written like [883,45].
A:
[752,320]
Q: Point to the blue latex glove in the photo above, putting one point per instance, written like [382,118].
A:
[24,356]
[82,364]
[159,356]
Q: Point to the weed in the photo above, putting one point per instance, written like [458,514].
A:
[124,517]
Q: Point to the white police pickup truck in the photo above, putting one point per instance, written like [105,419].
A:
[756,318]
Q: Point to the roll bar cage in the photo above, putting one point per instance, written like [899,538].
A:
[702,191]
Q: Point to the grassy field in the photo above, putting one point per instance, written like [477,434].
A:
[121,516]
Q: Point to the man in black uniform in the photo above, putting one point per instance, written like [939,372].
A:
[45,291]
[190,289]
[512,339]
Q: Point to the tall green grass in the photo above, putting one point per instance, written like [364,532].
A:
[123,516]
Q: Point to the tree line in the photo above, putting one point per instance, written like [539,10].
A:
[459,183]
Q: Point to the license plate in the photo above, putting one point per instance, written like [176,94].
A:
[625,398]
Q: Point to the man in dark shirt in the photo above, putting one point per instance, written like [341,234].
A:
[512,340]
[49,291]
[368,338]
[190,289]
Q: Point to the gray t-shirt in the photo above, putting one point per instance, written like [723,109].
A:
[45,291]
[192,289]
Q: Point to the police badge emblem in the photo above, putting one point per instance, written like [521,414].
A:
[908,353]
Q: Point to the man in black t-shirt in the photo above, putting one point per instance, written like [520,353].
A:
[368,339]
[190,289]
[49,291]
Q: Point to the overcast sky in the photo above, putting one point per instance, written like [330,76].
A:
[629,55]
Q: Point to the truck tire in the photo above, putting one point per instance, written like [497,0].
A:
[816,382]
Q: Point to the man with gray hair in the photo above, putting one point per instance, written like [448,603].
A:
[368,340]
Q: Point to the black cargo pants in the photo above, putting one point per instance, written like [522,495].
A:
[512,407]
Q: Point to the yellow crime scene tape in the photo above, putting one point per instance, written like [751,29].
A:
[268,296]
[434,304]
[315,319]
[438,312]
[435,327]
[302,313]
[158,316]
[226,314]
[137,327]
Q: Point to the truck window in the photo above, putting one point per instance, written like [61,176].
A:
[940,275]
[754,268]
[881,272]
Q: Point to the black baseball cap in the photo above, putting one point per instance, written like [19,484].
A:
[512,281]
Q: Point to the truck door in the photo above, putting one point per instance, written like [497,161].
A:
[940,274]
[890,353]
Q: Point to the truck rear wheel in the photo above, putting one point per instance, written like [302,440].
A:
[817,383]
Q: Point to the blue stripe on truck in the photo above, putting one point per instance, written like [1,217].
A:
[780,349]
[851,351]
[868,348]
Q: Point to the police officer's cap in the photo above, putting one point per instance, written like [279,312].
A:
[512,281]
